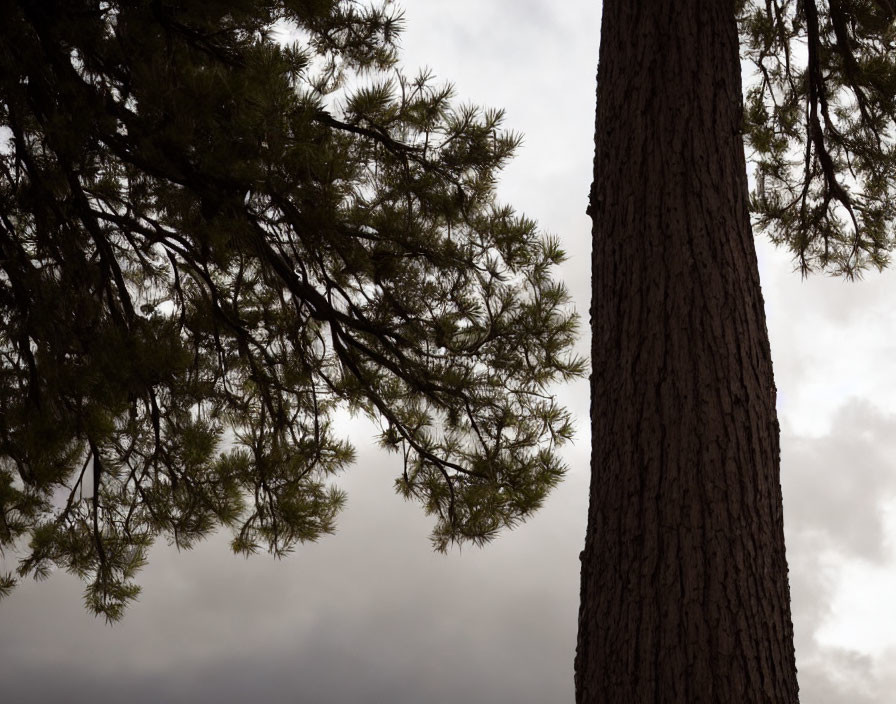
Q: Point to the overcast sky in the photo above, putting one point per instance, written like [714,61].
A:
[372,615]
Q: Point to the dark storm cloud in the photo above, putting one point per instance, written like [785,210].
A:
[370,614]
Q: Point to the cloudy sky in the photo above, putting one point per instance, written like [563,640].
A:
[372,615]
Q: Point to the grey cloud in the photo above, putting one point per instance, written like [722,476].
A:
[831,339]
[835,490]
[835,486]
[370,614]
[842,677]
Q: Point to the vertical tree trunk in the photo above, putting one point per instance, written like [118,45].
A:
[685,596]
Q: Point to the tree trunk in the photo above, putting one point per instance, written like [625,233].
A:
[684,596]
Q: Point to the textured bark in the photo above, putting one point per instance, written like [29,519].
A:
[685,597]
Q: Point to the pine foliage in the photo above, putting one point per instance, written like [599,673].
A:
[211,240]
[821,118]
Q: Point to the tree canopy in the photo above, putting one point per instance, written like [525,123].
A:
[821,117]
[211,241]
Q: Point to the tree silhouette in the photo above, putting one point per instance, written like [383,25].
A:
[211,241]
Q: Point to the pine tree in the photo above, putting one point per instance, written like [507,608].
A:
[685,595]
[212,240]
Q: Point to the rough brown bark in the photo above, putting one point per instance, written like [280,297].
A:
[685,597]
